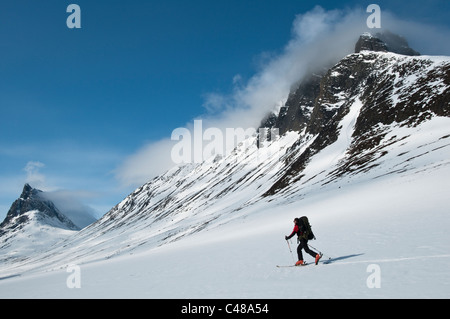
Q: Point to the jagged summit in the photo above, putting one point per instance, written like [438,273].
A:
[292,117]
[31,201]
[29,191]
[384,42]
[367,42]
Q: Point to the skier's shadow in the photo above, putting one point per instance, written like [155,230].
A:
[332,260]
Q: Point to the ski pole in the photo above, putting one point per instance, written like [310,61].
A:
[290,250]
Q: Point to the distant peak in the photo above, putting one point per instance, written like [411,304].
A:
[31,199]
[29,191]
[26,192]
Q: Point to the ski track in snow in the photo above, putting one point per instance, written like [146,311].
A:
[334,262]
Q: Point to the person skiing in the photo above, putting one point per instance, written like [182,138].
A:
[302,232]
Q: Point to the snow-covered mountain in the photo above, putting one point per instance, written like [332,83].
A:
[357,104]
[364,151]
[33,223]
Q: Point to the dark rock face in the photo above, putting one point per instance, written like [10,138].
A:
[300,106]
[384,42]
[367,42]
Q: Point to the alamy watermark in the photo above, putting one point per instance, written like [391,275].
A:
[74,19]
[374,19]
[74,279]
[374,279]
[201,145]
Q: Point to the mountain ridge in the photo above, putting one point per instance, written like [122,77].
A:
[390,86]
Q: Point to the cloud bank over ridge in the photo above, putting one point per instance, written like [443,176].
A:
[319,38]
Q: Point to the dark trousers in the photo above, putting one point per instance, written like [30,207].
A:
[304,245]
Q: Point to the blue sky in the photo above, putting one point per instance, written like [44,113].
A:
[79,105]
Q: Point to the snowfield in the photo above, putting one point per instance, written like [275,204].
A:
[212,230]
[397,222]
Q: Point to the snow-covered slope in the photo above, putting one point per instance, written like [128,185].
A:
[39,233]
[369,166]
[397,222]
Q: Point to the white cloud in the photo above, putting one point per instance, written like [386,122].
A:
[319,38]
[84,172]
[313,33]
[215,102]
[149,161]
[70,204]
[34,176]
[425,38]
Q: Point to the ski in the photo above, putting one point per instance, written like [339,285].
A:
[288,266]
[305,264]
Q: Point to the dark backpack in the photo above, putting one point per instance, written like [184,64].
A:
[305,227]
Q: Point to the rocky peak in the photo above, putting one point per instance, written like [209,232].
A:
[381,83]
[31,200]
[297,112]
[384,42]
[367,42]
[29,192]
